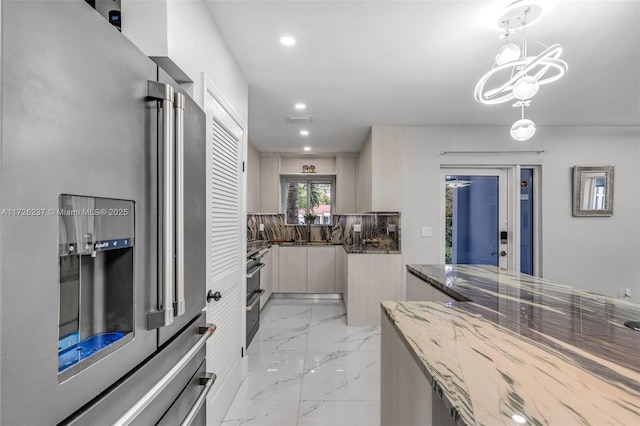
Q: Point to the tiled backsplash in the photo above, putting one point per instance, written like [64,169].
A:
[380,230]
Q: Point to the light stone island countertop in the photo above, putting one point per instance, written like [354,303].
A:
[523,350]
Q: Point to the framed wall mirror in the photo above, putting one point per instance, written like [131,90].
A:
[593,191]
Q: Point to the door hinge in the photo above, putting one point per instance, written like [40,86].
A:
[241,352]
[243,166]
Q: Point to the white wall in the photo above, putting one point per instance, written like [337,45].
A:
[185,32]
[196,45]
[596,254]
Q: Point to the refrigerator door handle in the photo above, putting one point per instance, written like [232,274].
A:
[179,304]
[207,381]
[152,393]
[166,270]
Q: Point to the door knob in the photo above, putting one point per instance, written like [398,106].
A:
[502,253]
[215,296]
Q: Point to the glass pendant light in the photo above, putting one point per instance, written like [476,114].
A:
[508,52]
[525,88]
[516,74]
[523,129]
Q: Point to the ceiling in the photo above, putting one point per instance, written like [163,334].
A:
[358,63]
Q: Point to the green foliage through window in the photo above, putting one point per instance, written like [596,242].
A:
[305,198]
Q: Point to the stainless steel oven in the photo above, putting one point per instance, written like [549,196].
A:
[254,265]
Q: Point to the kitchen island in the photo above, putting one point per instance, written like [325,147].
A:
[508,348]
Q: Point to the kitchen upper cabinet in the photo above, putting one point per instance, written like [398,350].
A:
[379,171]
[321,269]
[253,180]
[270,184]
[292,270]
[294,165]
[346,184]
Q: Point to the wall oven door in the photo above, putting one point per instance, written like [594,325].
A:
[253,300]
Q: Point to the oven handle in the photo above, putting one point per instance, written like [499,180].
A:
[254,299]
[251,272]
[207,380]
[262,253]
[152,393]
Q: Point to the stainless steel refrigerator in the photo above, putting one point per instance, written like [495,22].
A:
[102,248]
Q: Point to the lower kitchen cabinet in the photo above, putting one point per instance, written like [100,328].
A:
[307,269]
[292,272]
[406,396]
[371,278]
[321,269]
[418,290]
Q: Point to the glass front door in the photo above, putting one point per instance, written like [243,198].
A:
[476,226]
[489,217]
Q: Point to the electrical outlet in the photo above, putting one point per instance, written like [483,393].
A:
[357,227]
[427,231]
[625,293]
[261,227]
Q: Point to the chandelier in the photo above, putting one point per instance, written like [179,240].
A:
[517,74]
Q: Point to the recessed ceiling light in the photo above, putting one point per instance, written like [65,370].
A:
[300,106]
[307,148]
[304,133]
[287,40]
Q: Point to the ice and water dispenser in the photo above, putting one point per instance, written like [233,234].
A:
[96,287]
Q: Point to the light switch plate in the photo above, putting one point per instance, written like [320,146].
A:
[261,227]
[427,231]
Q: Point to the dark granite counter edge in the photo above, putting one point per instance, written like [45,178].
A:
[435,386]
[443,288]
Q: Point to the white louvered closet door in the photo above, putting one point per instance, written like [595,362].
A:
[224,257]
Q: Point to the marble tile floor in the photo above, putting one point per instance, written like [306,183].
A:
[308,368]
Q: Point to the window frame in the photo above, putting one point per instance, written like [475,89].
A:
[308,179]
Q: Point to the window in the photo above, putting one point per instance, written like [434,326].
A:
[308,199]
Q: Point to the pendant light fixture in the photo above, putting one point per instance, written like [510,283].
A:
[517,75]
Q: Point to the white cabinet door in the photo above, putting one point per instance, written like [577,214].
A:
[439,296]
[418,290]
[321,269]
[341,264]
[292,274]
[275,260]
[372,278]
